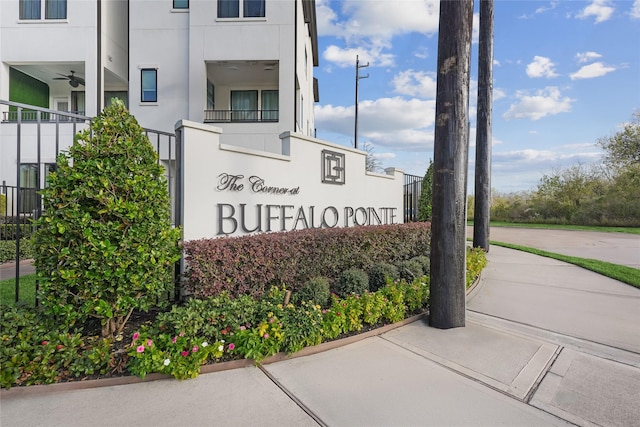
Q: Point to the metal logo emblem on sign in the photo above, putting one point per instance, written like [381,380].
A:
[333,171]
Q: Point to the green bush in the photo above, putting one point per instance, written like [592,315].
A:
[3,204]
[8,250]
[380,273]
[410,270]
[34,351]
[352,281]
[316,290]
[105,242]
[425,263]
[252,264]
[8,231]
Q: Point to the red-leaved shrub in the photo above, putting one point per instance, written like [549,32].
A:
[252,264]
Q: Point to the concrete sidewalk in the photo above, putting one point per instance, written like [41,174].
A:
[546,343]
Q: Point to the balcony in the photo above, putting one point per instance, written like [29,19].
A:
[240,116]
[32,116]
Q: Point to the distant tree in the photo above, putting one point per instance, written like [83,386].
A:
[623,147]
[426,195]
[372,162]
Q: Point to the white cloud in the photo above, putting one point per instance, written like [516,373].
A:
[552,5]
[587,56]
[369,26]
[415,83]
[541,67]
[346,57]
[423,52]
[635,10]
[600,9]
[545,102]
[498,94]
[387,122]
[597,69]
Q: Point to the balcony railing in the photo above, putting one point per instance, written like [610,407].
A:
[32,116]
[245,116]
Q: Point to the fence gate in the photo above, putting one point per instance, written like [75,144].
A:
[412,191]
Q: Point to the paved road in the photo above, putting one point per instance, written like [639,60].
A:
[618,248]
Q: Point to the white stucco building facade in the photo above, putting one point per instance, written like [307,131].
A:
[245,66]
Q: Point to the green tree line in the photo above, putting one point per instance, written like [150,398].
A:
[605,194]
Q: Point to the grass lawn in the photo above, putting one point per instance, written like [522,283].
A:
[622,273]
[629,230]
[27,290]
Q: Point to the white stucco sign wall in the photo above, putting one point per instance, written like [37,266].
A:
[229,190]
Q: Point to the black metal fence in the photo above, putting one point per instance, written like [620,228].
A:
[412,190]
[29,150]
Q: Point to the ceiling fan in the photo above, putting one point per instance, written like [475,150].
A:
[74,80]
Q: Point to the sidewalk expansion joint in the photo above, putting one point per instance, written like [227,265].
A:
[453,369]
[291,396]
[584,345]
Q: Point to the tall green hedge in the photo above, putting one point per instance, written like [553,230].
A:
[252,264]
[105,242]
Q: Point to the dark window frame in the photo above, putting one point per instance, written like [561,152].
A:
[181,4]
[148,98]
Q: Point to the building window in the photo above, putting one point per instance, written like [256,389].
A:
[56,9]
[211,99]
[254,8]
[149,91]
[250,8]
[244,105]
[30,9]
[181,4]
[53,9]
[270,105]
[228,8]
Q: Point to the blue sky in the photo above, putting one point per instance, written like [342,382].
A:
[566,73]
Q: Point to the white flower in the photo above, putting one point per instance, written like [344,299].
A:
[221,348]
[166,362]
[222,341]
[204,344]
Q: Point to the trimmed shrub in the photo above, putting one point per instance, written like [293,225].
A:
[105,241]
[352,281]
[425,263]
[410,270]
[252,264]
[316,290]
[8,250]
[379,273]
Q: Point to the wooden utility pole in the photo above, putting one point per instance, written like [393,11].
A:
[482,207]
[450,156]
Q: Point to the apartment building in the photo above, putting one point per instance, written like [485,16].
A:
[67,55]
[245,66]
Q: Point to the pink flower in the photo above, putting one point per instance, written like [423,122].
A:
[195,348]
[184,353]
[181,334]
[140,349]
[136,336]
[44,342]
[242,328]
[266,336]
[173,341]
[324,311]
[223,332]
[149,342]
[232,346]
[271,320]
